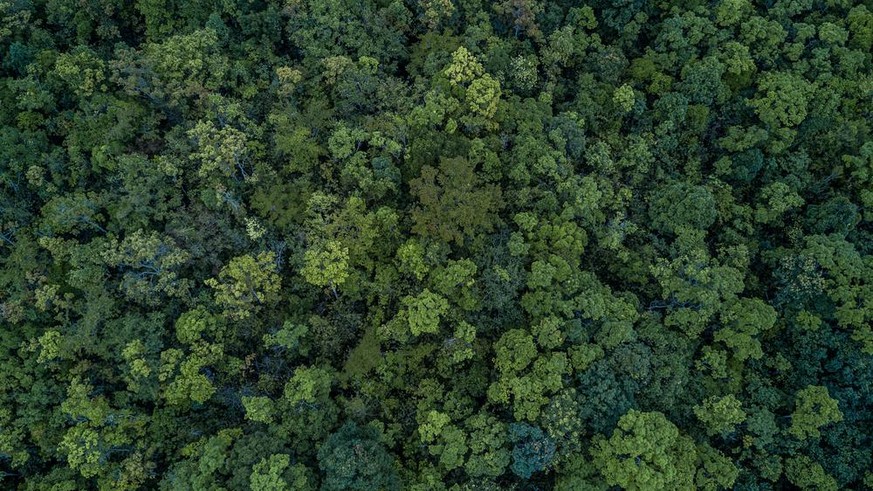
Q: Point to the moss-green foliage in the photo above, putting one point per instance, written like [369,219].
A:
[245,284]
[720,414]
[436,245]
[646,451]
[814,408]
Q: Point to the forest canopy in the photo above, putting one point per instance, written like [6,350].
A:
[436,245]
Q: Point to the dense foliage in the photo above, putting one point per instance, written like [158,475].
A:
[436,244]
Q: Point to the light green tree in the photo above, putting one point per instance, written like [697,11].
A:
[464,67]
[82,71]
[182,376]
[149,266]
[744,320]
[646,452]
[782,99]
[410,259]
[624,98]
[424,312]
[814,408]
[776,200]
[259,409]
[98,430]
[720,415]
[246,284]
[221,149]
[326,265]
[275,473]
[444,439]
[808,475]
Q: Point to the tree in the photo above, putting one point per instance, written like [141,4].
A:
[533,451]
[182,377]
[814,408]
[411,259]
[776,200]
[624,98]
[603,396]
[720,414]
[452,204]
[808,474]
[444,439]
[207,462]
[199,325]
[562,421]
[246,284]
[435,12]
[306,412]
[72,213]
[471,84]
[743,321]
[682,205]
[514,351]
[98,430]
[782,99]
[275,473]
[525,376]
[353,458]
[523,14]
[860,21]
[344,27]
[715,470]
[464,67]
[694,285]
[82,71]
[646,451]
[259,409]
[326,266]
[150,266]
[221,149]
[174,72]
[487,435]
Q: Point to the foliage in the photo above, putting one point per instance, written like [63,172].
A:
[453,205]
[720,414]
[814,409]
[436,244]
[646,451]
[353,458]
[245,284]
